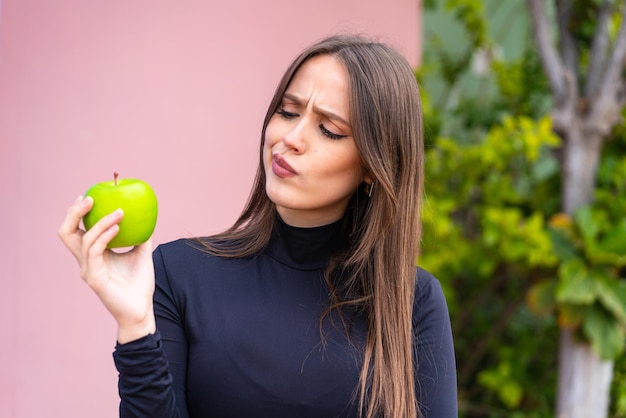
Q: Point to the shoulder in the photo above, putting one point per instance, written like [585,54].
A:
[180,248]
[427,286]
[188,258]
[183,268]
[430,301]
[176,246]
[182,256]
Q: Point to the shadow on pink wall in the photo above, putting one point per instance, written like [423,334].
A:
[172,93]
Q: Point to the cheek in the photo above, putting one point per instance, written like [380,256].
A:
[273,135]
[271,131]
[344,168]
[268,142]
[355,169]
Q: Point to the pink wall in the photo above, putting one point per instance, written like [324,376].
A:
[170,92]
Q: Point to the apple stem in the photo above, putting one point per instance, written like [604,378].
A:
[115,174]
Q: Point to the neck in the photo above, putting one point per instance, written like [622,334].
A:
[305,248]
[304,219]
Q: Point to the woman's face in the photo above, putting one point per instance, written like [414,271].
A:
[312,165]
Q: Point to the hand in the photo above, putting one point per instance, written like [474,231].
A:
[124,282]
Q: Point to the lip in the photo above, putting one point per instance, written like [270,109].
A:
[281,167]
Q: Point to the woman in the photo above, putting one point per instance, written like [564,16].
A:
[310,305]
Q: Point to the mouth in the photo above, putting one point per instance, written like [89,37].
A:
[281,167]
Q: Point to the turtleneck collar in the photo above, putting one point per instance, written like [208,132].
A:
[305,248]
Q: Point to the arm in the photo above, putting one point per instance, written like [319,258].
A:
[153,369]
[145,384]
[435,380]
[125,284]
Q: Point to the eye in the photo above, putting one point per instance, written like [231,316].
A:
[287,115]
[330,134]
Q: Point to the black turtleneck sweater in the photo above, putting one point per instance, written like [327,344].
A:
[240,337]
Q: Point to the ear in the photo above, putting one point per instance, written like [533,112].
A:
[367,176]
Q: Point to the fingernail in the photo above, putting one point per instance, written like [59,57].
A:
[80,196]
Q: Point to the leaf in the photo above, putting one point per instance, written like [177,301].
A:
[611,248]
[612,295]
[604,332]
[545,167]
[562,246]
[615,240]
[589,223]
[502,381]
[570,316]
[510,393]
[541,299]
[545,130]
[561,221]
[575,285]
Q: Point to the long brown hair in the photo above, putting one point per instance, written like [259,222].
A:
[377,272]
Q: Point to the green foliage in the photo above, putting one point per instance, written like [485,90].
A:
[523,90]
[484,227]
[489,196]
[514,268]
[618,389]
[471,13]
[447,64]
[590,290]
[504,383]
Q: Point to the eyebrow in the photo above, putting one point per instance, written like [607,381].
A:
[328,113]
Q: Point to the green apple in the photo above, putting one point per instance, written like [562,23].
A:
[139,203]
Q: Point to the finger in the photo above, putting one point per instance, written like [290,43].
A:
[95,241]
[94,233]
[94,253]
[69,231]
[100,244]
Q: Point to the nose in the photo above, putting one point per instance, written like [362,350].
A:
[295,137]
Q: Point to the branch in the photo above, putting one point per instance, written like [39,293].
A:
[613,75]
[566,40]
[606,106]
[599,47]
[550,60]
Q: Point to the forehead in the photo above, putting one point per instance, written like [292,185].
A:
[324,79]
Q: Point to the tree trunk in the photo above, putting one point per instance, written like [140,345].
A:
[584,380]
[581,156]
[583,123]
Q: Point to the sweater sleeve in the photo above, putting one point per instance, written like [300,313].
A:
[436,383]
[152,369]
